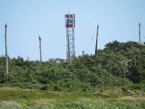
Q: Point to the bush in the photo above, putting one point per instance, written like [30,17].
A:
[45,87]
[137,86]
[125,89]
[57,88]
[1,85]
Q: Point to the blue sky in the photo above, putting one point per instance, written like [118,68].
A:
[117,19]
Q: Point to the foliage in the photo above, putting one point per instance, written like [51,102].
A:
[118,64]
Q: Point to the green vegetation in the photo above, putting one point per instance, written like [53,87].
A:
[88,82]
[16,98]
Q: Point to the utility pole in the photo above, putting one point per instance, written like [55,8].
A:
[6,53]
[96,40]
[139,34]
[40,50]
[83,53]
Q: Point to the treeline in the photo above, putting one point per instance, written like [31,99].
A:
[117,65]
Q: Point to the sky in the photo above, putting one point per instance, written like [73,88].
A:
[27,19]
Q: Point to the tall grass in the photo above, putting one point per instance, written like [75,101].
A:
[77,105]
[16,98]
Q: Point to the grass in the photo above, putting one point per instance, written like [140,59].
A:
[17,98]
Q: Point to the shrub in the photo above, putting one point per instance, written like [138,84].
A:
[125,89]
[45,87]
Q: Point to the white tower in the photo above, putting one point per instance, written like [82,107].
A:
[70,25]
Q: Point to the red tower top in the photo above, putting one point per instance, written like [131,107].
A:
[70,20]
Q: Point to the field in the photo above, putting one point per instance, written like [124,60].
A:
[17,98]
